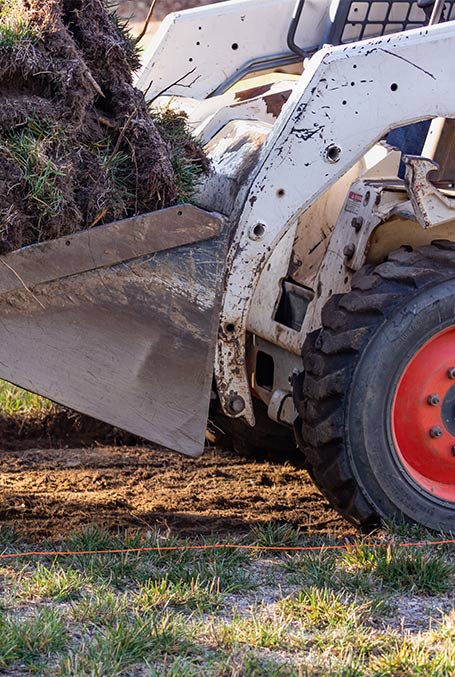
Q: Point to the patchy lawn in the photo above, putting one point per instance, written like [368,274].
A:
[367,610]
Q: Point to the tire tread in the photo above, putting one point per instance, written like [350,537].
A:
[330,356]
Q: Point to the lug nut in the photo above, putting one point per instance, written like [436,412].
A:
[451,373]
[433,399]
[436,431]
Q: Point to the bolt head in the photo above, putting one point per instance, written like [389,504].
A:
[357,223]
[436,431]
[433,399]
[348,251]
[236,404]
[451,373]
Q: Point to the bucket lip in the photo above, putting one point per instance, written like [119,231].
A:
[107,245]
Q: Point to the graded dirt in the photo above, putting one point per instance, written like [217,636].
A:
[48,493]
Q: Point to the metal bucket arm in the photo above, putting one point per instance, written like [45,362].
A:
[348,98]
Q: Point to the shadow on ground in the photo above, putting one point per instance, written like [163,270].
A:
[47,493]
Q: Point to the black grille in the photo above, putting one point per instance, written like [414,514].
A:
[356,20]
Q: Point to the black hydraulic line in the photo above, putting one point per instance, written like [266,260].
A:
[293,46]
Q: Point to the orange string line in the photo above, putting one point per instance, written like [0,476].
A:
[218,546]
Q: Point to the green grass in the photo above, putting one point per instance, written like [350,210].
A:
[14,28]
[414,570]
[133,49]
[100,605]
[388,568]
[322,607]
[257,629]
[31,640]
[275,535]
[312,568]
[16,402]
[224,612]
[200,574]
[54,582]
[177,593]
[415,656]
[188,170]
[29,147]
[114,198]
[127,640]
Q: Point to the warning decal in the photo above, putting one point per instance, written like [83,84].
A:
[354,202]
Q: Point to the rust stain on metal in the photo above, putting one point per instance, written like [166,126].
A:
[275,102]
[251,93]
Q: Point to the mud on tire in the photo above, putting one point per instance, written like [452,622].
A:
[351,370]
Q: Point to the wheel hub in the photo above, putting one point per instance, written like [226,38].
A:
[423,416]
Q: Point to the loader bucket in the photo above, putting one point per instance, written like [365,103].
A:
[120,322]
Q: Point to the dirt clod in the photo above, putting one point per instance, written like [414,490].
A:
[78,145]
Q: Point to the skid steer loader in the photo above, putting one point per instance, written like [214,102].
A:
[312,285]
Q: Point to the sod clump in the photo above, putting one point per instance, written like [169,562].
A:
[78,144]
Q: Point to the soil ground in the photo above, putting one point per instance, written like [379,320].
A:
[50,492]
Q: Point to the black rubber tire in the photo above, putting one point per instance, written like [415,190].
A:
[351,368]
[268,440]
